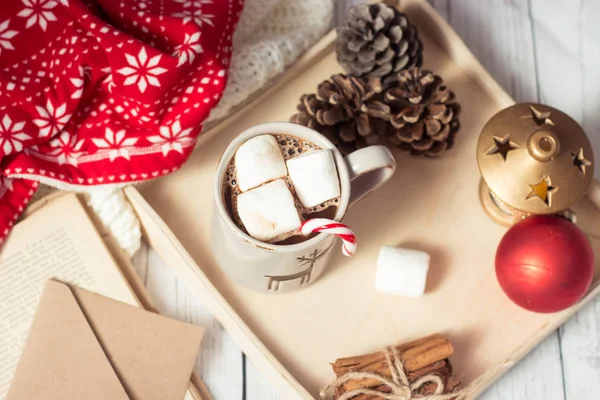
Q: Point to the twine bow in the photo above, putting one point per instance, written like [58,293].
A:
[401,388]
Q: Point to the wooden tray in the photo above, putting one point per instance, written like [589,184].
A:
[430,204]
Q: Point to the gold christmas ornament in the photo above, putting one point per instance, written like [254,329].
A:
[533,159]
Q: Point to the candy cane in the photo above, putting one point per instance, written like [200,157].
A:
[332,227]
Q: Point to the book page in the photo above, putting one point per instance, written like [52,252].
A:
[58,241]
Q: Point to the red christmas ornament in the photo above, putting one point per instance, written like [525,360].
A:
[545,264]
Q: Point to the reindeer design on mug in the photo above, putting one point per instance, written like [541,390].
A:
[304,276]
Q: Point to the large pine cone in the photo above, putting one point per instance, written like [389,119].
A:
[377,40]
[347,110]
[424,113]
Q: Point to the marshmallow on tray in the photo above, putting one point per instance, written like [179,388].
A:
[268,212]
[401,271]
[258,160]
[315,177]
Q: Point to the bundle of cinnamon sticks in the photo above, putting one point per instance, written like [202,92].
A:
[425,356]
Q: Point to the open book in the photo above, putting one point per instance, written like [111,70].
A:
[57,241]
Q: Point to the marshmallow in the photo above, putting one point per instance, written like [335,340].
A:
[258,160]
[401,271]
[268,212]
[315,177]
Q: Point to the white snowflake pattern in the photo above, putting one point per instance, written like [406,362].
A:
[142,70]
[192,11]
[51,120]
[108,79]
[172,138]
[38,12]
[78,83]
[116,143]
[5,36]
[66,148]
[12,135]
[187,51]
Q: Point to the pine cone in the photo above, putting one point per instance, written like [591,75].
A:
[424,113]
[347,110]
[377,40]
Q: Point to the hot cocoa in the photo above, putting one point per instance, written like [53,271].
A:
[290,147]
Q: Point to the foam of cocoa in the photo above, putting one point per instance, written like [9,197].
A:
[290,146]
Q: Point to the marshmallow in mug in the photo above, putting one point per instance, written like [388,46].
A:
[315,177]
[268,211]
[401,271]
[258,160]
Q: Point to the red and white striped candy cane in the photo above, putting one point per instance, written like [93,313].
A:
[332,227]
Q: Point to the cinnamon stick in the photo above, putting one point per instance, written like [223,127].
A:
[435,367]
[452,383]
[440,368]
[430,388]
[415,356]
[343,365]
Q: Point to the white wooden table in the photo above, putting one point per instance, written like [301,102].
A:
[538,50]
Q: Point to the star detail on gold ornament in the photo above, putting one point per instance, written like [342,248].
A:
[543,190]
[580,161]
[539,117]
[501,146]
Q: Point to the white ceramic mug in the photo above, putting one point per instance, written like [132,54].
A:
[267,267]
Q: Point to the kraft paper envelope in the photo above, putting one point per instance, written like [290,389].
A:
[85,346]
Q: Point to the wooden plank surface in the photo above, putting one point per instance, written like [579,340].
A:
[220,362]
[538,50]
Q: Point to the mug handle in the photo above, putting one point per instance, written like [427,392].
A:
[369,168]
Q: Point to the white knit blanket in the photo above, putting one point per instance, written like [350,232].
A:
[270,36]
